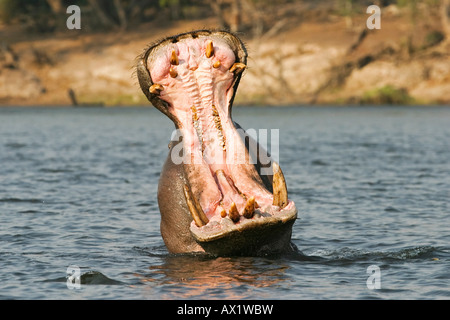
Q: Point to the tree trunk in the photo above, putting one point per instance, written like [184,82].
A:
[59,13]
[102,16]
[235,16]
[216,6]
[445,18]
[56,6]
[121,14]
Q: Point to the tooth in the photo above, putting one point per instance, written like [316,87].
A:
[174,58]
[249,209]
[233,213]
[156,88]
[215,113]
[280,194]
[238,67]
[223,213]
[198,127]
[194,208]
[209,49]
[173,73]
[216,64]
[218,124]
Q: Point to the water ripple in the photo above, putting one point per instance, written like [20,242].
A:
[78,187]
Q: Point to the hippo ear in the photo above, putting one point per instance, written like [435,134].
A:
[145,81]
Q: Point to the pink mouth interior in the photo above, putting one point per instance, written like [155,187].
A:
[198,91]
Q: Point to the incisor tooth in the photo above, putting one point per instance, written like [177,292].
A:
[216,64]
[238,67]
[209,49]
[174,58]
[194,208]
[280,194]
[249,209]
[156,88]
[234,213]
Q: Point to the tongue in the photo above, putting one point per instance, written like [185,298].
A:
[229,192]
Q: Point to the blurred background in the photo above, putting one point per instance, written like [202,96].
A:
[301,52]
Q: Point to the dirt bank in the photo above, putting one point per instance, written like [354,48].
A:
[310,63]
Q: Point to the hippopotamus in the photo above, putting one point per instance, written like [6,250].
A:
[215,196]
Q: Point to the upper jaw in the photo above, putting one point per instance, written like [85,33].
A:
[152,89]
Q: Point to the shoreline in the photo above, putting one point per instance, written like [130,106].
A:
[312,63]
[235,106]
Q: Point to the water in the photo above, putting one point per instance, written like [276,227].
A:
[78,188]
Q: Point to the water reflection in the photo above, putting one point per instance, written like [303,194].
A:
[191,277]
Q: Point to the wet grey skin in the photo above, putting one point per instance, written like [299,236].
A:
[213,204]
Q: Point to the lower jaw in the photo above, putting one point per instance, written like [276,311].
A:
[223,175]
[253,217]
[264,234]
[215,230]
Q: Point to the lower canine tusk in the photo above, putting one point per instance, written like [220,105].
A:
[238,67]
[156,88]
[194,208]
[280,194]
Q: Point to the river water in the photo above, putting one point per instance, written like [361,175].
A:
[78,197]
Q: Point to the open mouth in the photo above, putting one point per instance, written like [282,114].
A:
[192,78]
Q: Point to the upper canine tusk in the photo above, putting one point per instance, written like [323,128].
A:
[195,209]
[174,58]
[280,194]
[238,67]
[156,88]
[209,49]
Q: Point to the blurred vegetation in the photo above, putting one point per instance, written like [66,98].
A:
[255,17]
[425,34]
[46,15]
[387,95]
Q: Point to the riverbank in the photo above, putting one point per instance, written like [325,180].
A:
[320,61]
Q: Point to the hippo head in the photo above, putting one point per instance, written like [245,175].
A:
[214,194]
